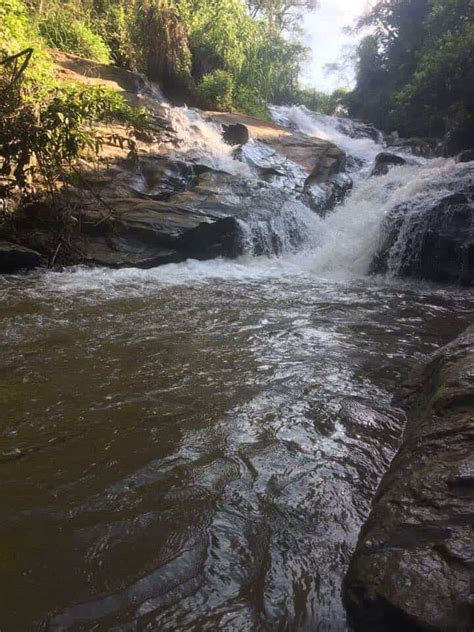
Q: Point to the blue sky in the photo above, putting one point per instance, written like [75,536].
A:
[325,37]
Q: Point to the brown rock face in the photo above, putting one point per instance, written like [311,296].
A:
[414,565]
[320,158]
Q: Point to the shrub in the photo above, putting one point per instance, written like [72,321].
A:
[18,33]
[65,32]
[217,89]
[41,138]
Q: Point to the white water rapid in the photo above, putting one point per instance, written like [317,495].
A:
[343,243]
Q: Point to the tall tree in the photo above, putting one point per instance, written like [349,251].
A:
[281,15]
[415,70]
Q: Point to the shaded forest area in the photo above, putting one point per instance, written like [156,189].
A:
[415,70]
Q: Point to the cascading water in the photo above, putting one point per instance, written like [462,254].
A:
[345,242]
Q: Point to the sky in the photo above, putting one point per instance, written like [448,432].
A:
[325,37]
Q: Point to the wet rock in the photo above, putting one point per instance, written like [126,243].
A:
[357,129]
[159,177]
[412,569]
[422,147]
[222,238]
[322,198]
[465,156]
[434,242]
[148,233]
[320,159]
[384,161]
[14,258]
[237,134]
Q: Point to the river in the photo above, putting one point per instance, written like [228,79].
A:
[195,447]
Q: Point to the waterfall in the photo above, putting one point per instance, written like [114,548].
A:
[266,191]
[399,202]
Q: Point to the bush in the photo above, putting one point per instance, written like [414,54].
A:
[63,31]
[41,138]
[249,101]
[18,33]
[217,90]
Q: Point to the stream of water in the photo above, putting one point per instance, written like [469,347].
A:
[195,447]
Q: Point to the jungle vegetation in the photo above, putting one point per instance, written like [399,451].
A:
[415,68]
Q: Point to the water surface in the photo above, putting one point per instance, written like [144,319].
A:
[195,447]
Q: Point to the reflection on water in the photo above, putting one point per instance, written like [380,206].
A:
[195,447]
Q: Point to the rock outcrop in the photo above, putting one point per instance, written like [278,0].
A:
[320,159]
[14,258]
[384,161]
[439,239]
[413,567]
[172,203]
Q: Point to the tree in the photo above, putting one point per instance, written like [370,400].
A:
[415,71]
[281,15]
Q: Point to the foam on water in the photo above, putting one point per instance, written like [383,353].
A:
[201,141]
[328,128]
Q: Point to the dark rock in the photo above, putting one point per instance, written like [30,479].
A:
[412,569]
[384,161]
[438,243]
[222,238]
[159,178]
[422,147]
[322,198]
[237,134]
[14,258]
[465,156]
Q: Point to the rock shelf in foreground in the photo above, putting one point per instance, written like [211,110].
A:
[414,563]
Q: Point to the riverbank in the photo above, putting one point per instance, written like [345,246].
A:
[412,568]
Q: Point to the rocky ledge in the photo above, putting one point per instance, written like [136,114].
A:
[441,230]
[413,566]
[170,204]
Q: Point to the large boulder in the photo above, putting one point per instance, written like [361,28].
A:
[412,569]
[14,258]
[384,161]
[236,134]
[435,243]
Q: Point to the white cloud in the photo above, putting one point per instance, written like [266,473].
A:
[325,37]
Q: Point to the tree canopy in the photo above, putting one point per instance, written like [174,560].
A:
[281,14]
[415,70]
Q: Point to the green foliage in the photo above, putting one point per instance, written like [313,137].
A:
[18,32]
[218,90]
[161,45]
[39,138]
[281,14]
[224,36]
[415,72]
[334,104]
[62,30]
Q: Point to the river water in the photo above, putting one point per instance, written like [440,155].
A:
[195,447]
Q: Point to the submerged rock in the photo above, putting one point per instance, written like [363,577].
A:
[14,258]
[384,161]
[412,569]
